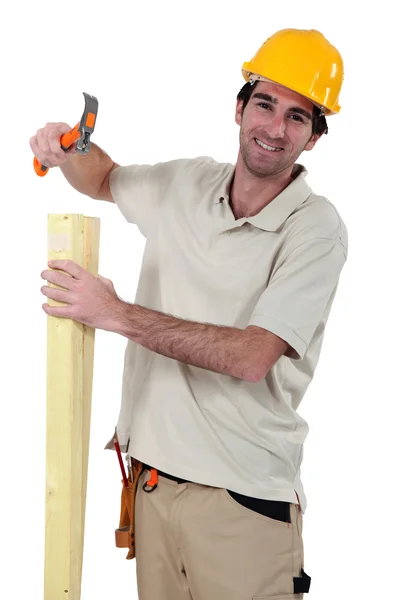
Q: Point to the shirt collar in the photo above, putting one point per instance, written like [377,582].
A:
[272,216]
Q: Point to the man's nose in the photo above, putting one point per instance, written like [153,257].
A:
[276,127]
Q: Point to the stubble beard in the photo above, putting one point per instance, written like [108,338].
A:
[264,166]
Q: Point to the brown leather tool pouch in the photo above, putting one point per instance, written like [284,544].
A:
[125,534]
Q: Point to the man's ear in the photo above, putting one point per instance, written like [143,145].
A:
[312,141]
[238,112]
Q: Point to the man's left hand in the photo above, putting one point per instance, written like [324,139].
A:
[90,300]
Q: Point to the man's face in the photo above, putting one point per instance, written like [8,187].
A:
[275,128]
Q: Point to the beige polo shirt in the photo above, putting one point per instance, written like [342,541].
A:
[278,270]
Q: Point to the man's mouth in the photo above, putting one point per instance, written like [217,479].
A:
[267,147]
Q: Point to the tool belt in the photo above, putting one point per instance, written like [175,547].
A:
[125,534]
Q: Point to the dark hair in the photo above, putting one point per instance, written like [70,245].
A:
[319,125]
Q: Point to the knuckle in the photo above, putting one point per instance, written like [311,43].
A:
[60,128]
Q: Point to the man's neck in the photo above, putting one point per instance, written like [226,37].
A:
[249,194]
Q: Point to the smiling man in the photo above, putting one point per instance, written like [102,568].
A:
[240,270]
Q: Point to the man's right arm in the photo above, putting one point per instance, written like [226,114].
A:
[89,174]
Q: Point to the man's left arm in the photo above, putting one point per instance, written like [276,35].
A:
[283,321]
[246,354]
[243,353]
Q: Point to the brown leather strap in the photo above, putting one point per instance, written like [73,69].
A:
[125,534]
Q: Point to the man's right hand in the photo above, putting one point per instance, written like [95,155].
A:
[87,173]
[46,145]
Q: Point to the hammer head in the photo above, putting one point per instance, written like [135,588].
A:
[87,123]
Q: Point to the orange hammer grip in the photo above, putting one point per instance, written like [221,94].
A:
[40,170]
[69,138]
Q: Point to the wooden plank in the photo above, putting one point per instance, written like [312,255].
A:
[69,375]
[91,263]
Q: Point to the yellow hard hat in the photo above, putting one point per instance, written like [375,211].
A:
[303,61]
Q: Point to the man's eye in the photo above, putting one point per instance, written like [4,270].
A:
[297,118]
[263,105]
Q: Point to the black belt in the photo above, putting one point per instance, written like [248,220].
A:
[274,509]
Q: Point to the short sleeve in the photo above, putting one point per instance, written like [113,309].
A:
[139,190]
[298,293]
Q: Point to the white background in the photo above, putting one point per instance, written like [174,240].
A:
[166,75]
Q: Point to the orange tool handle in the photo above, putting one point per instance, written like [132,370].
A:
[66,141]
[41,170]
[69,138]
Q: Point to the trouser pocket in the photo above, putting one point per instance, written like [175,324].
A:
[273,509]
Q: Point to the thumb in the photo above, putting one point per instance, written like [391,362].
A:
[72,149]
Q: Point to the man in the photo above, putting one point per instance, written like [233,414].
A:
[239,273]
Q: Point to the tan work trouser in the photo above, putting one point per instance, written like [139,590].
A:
[195,542]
